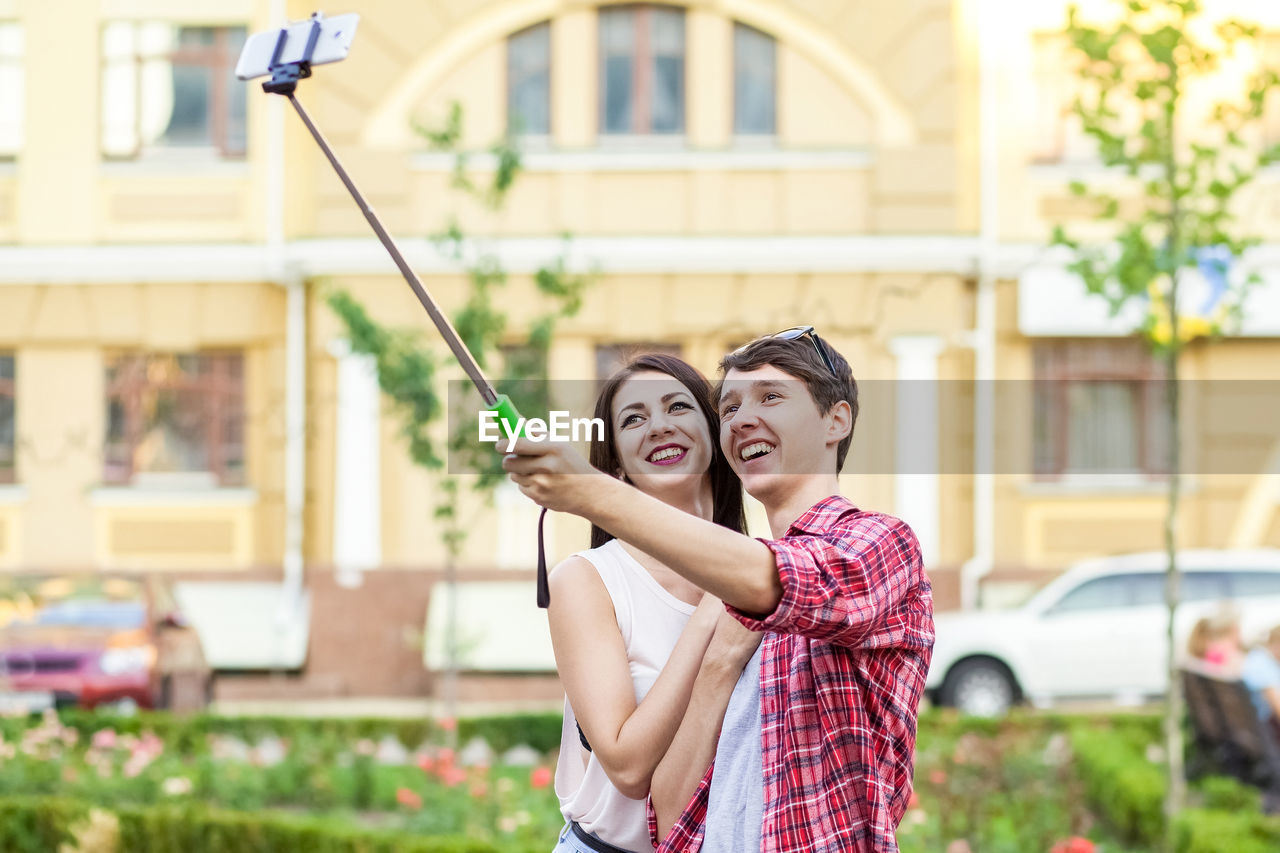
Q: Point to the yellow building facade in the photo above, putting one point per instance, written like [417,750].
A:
[176,395]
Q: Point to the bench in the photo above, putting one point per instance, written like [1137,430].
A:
[1227,735]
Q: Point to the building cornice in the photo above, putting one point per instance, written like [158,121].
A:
[249,262]
[144,264]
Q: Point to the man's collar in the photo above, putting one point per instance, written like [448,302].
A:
[819,517]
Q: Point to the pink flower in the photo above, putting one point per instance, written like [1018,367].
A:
[452,776]
[914,802]
[937,777]
[540,777]
[104,739]
[408,798]
[479,790]
[449,724]
[1075,844]
[151,744]
[424,763]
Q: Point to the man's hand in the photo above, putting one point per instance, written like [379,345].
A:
[732,644]
[554,475]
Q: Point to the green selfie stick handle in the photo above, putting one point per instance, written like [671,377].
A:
[508,417]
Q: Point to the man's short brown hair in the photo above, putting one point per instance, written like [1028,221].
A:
[800,358]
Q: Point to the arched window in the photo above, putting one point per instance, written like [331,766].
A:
[642,75]
[755,82]
[171,86]
[529,80]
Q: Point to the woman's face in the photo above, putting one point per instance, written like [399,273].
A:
[660,433]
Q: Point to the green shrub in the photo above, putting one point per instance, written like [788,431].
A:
[1219,793]
[188,734]
[42,824]
[1201,831]
[540,731]
[1119,781]
[37,824]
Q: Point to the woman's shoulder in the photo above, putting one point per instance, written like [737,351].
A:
[574,567]
[596,568]
[589,567]
[577,582]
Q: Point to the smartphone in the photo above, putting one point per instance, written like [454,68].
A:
[333,45]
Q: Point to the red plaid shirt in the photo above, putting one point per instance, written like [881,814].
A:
[842,669]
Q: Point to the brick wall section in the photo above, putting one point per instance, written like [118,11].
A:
[370,636]
[367,641]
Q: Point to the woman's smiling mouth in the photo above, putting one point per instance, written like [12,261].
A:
[667,454]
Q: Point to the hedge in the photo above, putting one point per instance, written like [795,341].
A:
[1127,790]
[37,824]
[541,731]
[1119,781]
[43,824]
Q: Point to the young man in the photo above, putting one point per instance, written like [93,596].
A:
[839,594]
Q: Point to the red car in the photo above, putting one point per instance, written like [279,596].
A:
[95,640]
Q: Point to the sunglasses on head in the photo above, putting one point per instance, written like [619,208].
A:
[795,333]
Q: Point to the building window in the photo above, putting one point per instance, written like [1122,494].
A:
[1099,409]
[641,70]
[1057,134]
[529,80]
[12,90]
[611,357]
[175,418]
[8,425]
[170,87]
[755,76]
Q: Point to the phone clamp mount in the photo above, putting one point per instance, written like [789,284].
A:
[285,75]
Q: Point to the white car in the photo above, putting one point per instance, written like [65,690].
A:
[1096,631]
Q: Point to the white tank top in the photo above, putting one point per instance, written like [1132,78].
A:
[650,619]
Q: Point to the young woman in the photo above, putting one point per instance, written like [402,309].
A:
[629,634]
[1215,645]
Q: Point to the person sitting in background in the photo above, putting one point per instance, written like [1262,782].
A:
[1215,645]
[1261,674]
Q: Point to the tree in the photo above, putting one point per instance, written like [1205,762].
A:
[409,371]
[1172,215]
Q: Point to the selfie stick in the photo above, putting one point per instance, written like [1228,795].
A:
[284,80]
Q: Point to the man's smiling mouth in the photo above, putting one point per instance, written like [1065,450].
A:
[755,450]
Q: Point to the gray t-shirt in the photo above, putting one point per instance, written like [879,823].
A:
[735,804]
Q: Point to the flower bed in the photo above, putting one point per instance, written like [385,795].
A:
[425,789]
[1032,783]
[1065,784]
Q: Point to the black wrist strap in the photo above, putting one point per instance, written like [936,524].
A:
[544,588]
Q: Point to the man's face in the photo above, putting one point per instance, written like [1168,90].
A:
[772,432]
